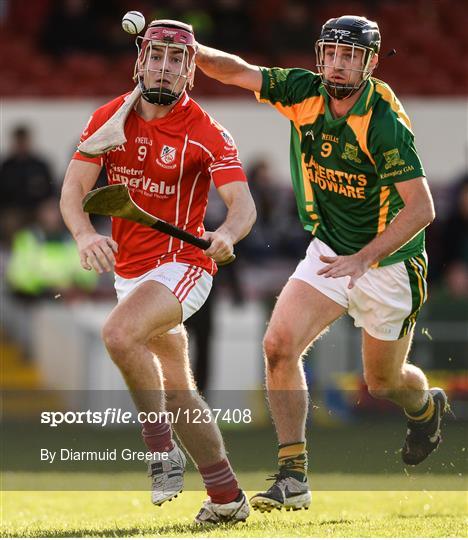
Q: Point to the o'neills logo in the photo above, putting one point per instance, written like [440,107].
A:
[167,157]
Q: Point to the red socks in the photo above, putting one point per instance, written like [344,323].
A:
[157,436]
[220,482]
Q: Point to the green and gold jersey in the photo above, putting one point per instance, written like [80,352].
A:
[344,170]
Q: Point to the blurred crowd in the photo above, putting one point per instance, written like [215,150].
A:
[236,25]
[86,37]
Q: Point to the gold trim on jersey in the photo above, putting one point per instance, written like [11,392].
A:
[384,206]
[393,101]
[305,112]
[309,110]
[308,191]
[369,95]
[360,126]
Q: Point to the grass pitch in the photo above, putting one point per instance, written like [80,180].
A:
[332,514]
[360,487]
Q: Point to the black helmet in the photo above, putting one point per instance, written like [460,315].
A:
[355,32]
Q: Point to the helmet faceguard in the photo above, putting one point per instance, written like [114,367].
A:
[354,34]
[166,61]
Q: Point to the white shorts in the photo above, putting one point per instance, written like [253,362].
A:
[190,284]
[385,301]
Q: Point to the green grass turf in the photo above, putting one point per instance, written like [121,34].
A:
[332,514]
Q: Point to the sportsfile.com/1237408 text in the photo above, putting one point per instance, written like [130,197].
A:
[113,416]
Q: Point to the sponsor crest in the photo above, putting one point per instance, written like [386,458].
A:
[351,153]
[168,154]
[392,158]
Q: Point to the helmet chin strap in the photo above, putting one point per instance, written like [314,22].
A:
[158,96]
[341,91]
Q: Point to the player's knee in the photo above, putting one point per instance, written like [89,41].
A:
[178,379]
[278,349]
[176,397]
[382,387]
[379,392]
[116,340]
[173,399]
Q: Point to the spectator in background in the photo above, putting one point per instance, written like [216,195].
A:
[233,30]
[456,231]
[201,325]
[70,27]
[43,265]
[291,31]
[293,238]
[448,304]
[276,233]
[44,260]
[189,11]
[25,181]
[262,243]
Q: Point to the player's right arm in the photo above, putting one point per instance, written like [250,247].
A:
[228,68]
[286,89]
[96,250]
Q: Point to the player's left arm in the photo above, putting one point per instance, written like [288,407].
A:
[240,217]
[417,213]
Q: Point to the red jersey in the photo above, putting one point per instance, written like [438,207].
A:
[168,164]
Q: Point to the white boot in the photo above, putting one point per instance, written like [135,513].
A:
[167,476]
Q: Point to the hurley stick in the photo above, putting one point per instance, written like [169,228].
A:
[115,201]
